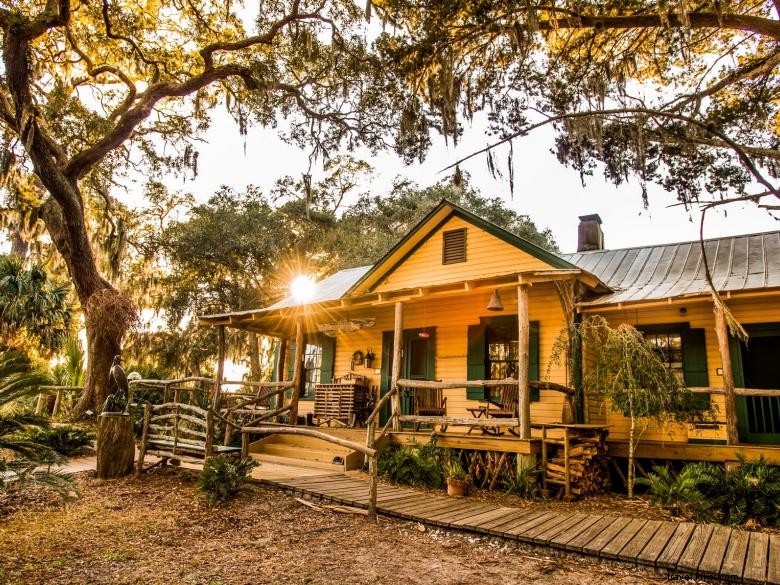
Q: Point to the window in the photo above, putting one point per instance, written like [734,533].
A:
[668,346]
[454,246]
[502,350]
[312,368]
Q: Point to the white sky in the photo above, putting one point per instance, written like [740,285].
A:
[548,192]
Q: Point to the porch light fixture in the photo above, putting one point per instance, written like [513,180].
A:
[495,304]
[303,288]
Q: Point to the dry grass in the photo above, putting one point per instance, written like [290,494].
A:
[156,530]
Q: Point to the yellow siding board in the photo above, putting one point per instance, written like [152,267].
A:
[486,256]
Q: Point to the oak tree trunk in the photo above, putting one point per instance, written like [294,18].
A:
[115,446]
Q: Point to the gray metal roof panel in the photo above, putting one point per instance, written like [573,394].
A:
[330,288]
[745,262]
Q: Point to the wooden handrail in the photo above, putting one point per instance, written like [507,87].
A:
[382,401]
[283,385]
[311,433]
[737,391]
[190,407]
[450,384]
[169,382]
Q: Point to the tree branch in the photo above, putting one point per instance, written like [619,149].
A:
[82,162]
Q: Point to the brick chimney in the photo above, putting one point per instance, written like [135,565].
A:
[589,234]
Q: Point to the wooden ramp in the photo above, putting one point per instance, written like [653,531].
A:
[684,547]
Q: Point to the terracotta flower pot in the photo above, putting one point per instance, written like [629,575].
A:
[457,487]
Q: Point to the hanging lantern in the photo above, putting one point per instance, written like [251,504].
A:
[495,303]
[370,357]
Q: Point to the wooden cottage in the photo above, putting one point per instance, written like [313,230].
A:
[460,309]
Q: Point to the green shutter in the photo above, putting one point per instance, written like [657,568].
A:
[694,351]
[533,357]
[431,353]
[328,345]
[475,361]
[290,364]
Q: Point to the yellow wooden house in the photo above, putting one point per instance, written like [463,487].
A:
[459,299]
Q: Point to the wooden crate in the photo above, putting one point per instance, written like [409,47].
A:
[343,403]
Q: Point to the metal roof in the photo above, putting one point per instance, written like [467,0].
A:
[331,288]
[645,273]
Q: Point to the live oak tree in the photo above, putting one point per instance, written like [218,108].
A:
[682,94]
[93,92]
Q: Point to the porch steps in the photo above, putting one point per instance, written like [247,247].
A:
[299,451]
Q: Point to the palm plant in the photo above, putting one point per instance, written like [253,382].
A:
[20,458]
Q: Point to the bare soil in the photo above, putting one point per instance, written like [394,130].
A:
[158,530]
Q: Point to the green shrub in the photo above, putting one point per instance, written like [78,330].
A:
[415,465]
[524,482]
[753,493]
[65,439]
[696,492]
[747,493]
[223,477]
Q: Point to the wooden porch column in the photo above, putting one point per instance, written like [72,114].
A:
[220,367]
[395,402]
[281,371]
[523,342]
[721,331]
[300,352]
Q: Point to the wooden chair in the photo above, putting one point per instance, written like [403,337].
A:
[429,402]
[507,405]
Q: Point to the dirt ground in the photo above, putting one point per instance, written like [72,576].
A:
[157,530]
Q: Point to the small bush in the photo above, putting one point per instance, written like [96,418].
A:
[65,439]
[524,482]
[223,477]
[415,465]
[748,493]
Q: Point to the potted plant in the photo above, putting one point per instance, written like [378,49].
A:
[457,478]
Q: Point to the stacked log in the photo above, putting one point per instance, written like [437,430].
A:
[588,464]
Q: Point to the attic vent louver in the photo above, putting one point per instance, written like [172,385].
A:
[454,248]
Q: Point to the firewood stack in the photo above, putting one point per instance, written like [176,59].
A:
[588,463]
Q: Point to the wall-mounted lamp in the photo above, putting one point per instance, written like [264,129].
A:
[495,304]
[357,359]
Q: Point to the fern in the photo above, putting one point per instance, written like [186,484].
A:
[696,492]
[222,478]
[754,493]
[415,465]
[524,482]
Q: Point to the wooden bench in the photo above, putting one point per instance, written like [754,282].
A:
[181,432]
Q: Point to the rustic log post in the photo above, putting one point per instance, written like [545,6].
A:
[523,341]
[41,403]
[395,401]
[372,486]
[566,468]
[721,332]
[244,445]
[220,368]
[281,374]
[58,403]
[209,447]
[144,439]
[300,351]
[228,429]
[544,461]
[115,445]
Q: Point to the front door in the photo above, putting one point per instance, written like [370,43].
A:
[417,362]
[756,367]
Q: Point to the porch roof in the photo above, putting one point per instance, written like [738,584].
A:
[651,273]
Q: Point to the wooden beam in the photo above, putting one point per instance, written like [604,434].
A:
[523,343]
[220,367]
[398,327]
[300,351]
[722,334]
[281,371]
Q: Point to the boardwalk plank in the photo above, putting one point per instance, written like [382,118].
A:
[476,522]
[563,526]
[713,556]
[756,559]
[528,523]
[530,534]
[495,526]
[657,544]
[691,556]
[564,537]
[734,559]
[470,512]
[631,551]
[605,536]
[416,507]
[676,545]
[612,549]
[773,562]
[578,542]
[449,509]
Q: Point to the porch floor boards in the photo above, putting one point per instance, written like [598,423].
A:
[683,547]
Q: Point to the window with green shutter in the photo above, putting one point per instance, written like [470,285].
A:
[492,353]
[318,363]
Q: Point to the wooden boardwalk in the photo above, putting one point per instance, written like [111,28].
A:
[683,547]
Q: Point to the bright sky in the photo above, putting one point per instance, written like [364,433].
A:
[552,195]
